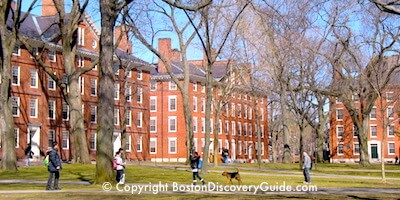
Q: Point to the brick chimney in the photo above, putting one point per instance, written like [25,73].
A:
[164,47]
[125,44]
[48,8]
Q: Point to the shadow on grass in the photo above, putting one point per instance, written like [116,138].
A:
[82,177]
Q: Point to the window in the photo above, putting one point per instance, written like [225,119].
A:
[139,75]
[153,145]
[226,127]
[219,146]
[233,128]
[203,88]
[139,94]
[219,127]
[139,119]
[391,148]
[240,111]
[51,83]
[93,87]
[139,144]
[339,114]
[233,110]
[33,107]
[389,96]
[339,131]
[52,56]
[203,125]
[356,150]
[356,98]
[82,84]
[93,114]
[172,145]
[239,132]
[262,114]
[116,91]
[17,50]
[34,78]
[128,121]
[15,106]
[172,123]
[262,131]
[340,149]
[65,140]
[240,147]
[172,85]
[128,143]
[391,130]
[128,93]
[65,111]
[81,36]
[92,141]
[389,111]
[15,75]
[250,130]
[51,137]
[373,113]
[194,104]
[153,104]
[245,147]
[153,124]
[355,132]
[16,132]
[80,61]
[194,124]
[171,103]
[153,86]
[52,110]
[250,112]
[338,101]
[116,116]
[194,86]
[203,105]
[373,130]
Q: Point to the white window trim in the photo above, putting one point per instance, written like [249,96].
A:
[116,117]
[139,141]
[52,56]
[337,110]
[62,111]
[387,94]
[139,75]
[387,112]
[54,107]
[116,91]
[129,140]
[49,80]
[95,87]
[169,145]
[140,119]
[155,125]
[203,125]
[195,86]
[155,103]
[16,137]
[155,145]
[172,85]
[95,114]
[18,77]
[128,118]
[36,76]
[18,106]
[153,83]
[139,95]
[195,105]
[370,131]
[388,130]
[388,146]
[354,148]
[82,84]
[169,124]
[370,117]
[337,131]
[62,139]
[340,143]
[95,142]
[18,52]
[36,108]
[195,124]
[169,102]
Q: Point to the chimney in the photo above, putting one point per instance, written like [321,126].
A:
[164,47]
[124,44]
[48,8]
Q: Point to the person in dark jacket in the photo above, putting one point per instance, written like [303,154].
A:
[54,167]
[194,163]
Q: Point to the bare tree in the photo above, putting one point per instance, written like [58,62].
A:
[110,10]
[11,20]
[389,6]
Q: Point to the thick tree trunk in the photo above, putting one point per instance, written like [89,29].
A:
[363,141]
[105,126]
[215,131]
[189,124]
[286,146]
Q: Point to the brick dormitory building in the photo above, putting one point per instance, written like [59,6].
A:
[344,144]
[145,95]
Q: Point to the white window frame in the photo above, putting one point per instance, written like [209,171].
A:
[388,131]
[175,124]
[154,141]
[33,80]
[18,104]
[52,107]
[172,139]
[389,96]
[80,61]
[65,105]
[128,93]
[128,144]
[92,139]
[18,52]
[219,127]
[16,132]
[390,113]
[195,86]
[338,148]
[153,85]
[139,75]
[116,91]
[394,148]
[139,94]
[153,101]
[128,118]
[18,75]
[93,87]
[354,148]
[240,147]
[64,139]
[139,144]
[337,114]
[233,128]
[337,131]
[81,83]
[81,36]
[194,104]
[52,56]
[93,112]
[372,113]
[203,105]
[203,88]
[51,134]
[51,84]
[36,108]
[116,117]
[194,123]
[203,125]
[376,130]
[172,85]
[153,120]
[139,119]
[170,98]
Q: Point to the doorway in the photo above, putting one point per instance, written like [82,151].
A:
[374,151]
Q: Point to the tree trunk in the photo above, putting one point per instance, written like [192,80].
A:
[286,146]
[189,124]
[363,141]
[105,126]
[215,131]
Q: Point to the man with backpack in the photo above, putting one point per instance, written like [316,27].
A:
[194,164]
[54,167]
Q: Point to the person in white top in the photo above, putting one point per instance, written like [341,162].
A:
[120,167]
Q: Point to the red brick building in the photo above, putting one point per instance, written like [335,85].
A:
[40,113]
[237,123]
[383,120]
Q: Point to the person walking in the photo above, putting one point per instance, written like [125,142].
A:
[306,168]
[194,163]
[120,167]
[54,167]
[29,154]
